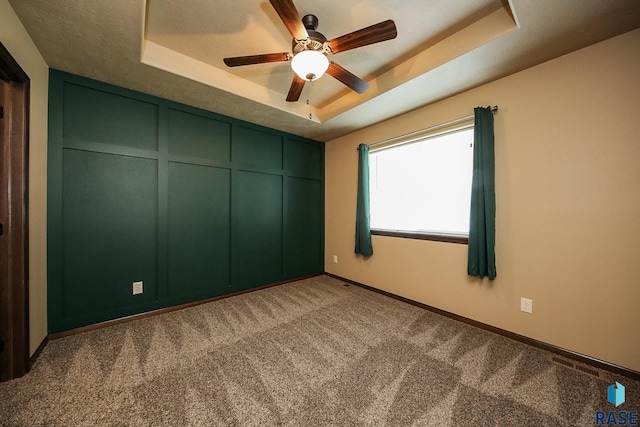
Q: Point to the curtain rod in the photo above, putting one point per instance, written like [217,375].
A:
[441,125]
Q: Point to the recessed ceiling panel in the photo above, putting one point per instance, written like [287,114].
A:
[208,32]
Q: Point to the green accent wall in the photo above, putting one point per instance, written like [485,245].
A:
[193,204]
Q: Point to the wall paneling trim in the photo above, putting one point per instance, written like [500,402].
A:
[193,204]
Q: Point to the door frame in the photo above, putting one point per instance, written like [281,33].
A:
[14,242]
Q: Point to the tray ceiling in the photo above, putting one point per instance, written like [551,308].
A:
[174,49]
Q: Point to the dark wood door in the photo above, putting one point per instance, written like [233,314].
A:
[5,326]
[14,342]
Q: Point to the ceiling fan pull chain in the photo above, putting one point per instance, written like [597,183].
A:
[309,104]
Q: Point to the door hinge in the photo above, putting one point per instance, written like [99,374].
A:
[1,346]
[1,112]
[1,229]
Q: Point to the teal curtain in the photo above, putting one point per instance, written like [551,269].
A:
[363,227]
[482,227]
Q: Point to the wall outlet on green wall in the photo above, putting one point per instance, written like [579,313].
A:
[137,288]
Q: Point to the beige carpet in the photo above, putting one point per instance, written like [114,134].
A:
[308,353]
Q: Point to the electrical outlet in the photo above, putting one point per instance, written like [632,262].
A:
[526,305]
[335,259]
[137,288]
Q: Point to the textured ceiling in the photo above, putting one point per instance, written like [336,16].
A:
[174,49]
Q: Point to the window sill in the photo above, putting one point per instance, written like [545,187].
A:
[448,238]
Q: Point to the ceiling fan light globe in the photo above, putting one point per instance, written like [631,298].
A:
[310,65]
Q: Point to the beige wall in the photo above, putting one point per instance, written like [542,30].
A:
[14,37]
[568,207]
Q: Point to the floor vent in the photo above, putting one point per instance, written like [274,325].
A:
[575,366]
[589,371]
[563,362]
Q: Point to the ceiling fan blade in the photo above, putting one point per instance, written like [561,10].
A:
[348,79]
[291,18]
[256,59]
[376,33]
[296,89]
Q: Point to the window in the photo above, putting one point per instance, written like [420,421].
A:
[421,188]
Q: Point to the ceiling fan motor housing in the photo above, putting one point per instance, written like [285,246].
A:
[316,41]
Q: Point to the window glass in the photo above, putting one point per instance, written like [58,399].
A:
[423,186]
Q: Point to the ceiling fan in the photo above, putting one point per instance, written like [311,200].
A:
[310,49]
